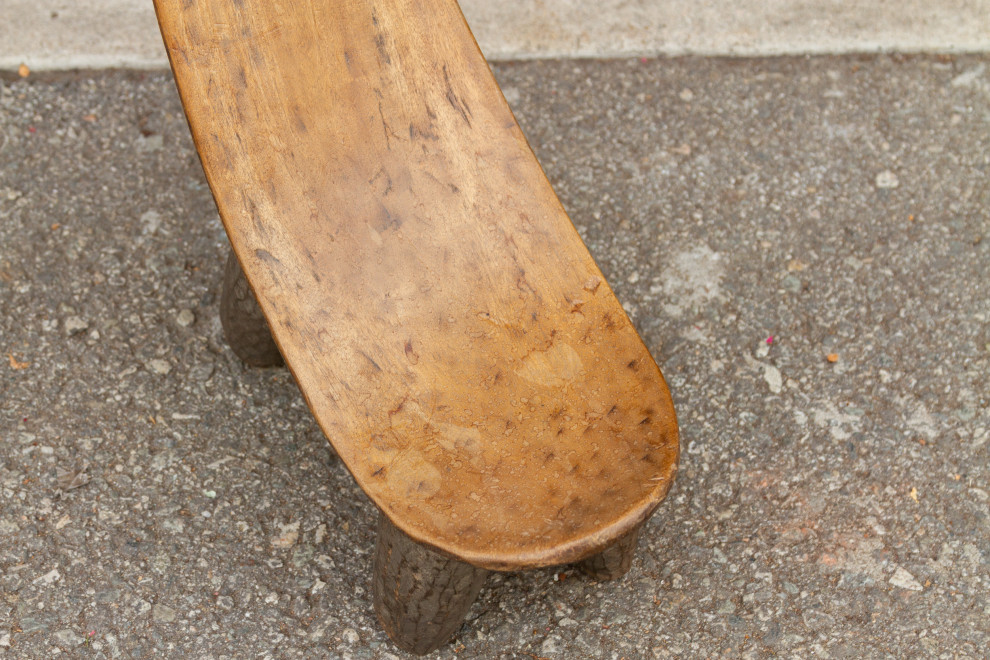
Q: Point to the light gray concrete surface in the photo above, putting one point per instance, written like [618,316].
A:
[66,34]
[159,500]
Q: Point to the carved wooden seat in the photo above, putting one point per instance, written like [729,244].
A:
[441,316]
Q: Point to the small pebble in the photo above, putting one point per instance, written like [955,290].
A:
[150,143]
[31,624]
[791,284]
[185,318]
[887,179]
[159,366]
[771,374]
[48,578]
[969,77]
[287,536]
[550,646]
[74,325]
[511,95]
[350,636]
[163,614]
[68,638]
[202,372]
[901,578]
[150,222]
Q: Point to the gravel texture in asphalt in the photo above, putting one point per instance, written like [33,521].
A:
[803,244]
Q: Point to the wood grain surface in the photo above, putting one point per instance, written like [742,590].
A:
[443,319]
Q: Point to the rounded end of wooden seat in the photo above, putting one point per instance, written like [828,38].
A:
[573,551]
[525,542]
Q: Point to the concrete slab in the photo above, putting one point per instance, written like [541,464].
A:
[804,245]
[59,34]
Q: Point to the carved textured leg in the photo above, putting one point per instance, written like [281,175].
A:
[421,596]
[614,561]
[244,325]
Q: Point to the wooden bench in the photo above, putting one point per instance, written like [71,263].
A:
[441,316]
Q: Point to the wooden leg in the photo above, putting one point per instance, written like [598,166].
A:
[244,325]
[614,561]
[421,596]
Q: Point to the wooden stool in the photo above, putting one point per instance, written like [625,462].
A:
[441,316]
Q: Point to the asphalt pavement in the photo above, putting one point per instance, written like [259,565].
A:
[803,243]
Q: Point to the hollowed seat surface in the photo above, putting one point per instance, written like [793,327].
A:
[443,319]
